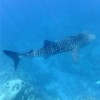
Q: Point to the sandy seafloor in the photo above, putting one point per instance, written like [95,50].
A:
[25,24]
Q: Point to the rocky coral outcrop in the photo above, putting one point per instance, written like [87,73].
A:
[18,90]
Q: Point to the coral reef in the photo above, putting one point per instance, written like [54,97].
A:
[10,89]
[19,90]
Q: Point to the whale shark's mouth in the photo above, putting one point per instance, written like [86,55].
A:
[87,37]
[91,37]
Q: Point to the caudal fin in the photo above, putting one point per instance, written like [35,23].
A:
[14,56]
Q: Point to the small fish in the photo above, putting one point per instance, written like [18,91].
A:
[71,43]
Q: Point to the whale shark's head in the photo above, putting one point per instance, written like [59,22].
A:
[91,37]
[85,38]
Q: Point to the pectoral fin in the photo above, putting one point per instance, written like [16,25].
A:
[75,54]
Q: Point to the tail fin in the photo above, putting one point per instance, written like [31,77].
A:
[14,56]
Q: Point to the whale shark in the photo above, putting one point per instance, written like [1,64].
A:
[71,43]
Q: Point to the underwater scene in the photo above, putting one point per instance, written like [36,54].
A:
[49,49]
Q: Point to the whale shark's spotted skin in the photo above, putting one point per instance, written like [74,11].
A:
[72,43]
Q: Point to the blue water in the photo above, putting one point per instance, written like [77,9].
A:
[25,24]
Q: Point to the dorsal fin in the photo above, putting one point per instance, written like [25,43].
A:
[48,43]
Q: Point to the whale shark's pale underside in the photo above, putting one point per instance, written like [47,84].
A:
[71,43]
